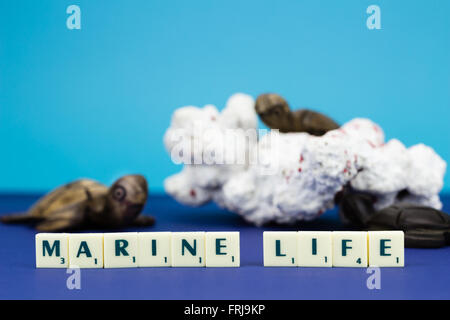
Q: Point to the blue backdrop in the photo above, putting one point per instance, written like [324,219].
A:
[95,102]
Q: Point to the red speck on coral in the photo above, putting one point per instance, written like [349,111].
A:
[345,170]
[301,158]
[193,193]
[371,144]
[299,169]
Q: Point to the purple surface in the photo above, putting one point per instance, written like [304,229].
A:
[426,275]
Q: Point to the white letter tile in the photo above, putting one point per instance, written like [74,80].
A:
[315,249]
[188,249]
[222,249]
[155,249]
[121,250]
[386,249]
[52,250]
[86,250]
[350,249]
[280,248]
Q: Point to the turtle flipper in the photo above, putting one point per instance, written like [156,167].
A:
[19,218]
[426,239]
[55,225]
[313,122]
[143,221]
[356,208]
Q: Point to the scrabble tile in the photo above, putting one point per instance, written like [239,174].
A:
[386,249]
[280,248]
[86,250]
[188,249]
[350,249]
[315,249]
[121,250]
[52,250]
[222,249]
[155,249]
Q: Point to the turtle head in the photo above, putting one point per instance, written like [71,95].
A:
[126,198]
[272,109]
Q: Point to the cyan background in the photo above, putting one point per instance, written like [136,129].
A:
[95,102]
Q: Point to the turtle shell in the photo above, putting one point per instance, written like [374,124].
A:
[424,227]
[66,195]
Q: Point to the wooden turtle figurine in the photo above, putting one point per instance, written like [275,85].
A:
[274,111]
[86,203]
[424,227]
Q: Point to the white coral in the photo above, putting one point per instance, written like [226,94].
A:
[293,176]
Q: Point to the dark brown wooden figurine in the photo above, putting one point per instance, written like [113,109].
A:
[86,203]
[424,227]
[274,111]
